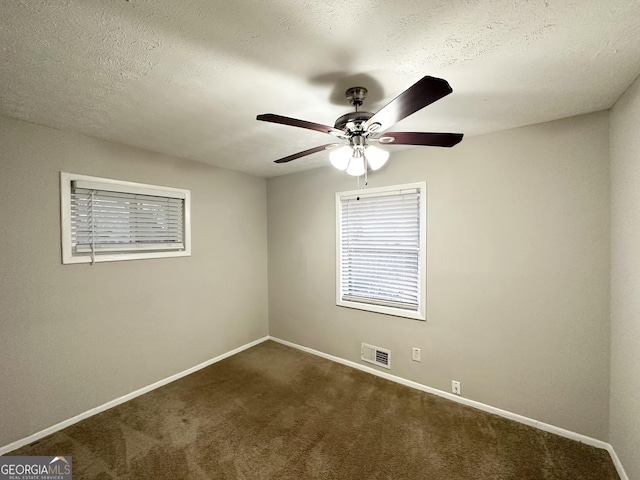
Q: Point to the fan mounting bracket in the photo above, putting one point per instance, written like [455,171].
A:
[356,95]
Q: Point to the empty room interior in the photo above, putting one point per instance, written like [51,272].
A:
[389,240]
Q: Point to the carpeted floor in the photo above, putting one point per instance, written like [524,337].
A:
[272,412]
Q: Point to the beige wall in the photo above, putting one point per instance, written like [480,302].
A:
[518,275]
[518,270]
[76,336]
[625,280]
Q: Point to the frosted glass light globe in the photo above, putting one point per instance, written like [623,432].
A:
[356,166]
[376,157]
[340,157]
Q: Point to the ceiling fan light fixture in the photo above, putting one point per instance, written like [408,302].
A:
[376,157]
[359,126]
[340,157]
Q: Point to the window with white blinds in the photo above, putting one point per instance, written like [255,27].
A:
[381,250]
[107,220]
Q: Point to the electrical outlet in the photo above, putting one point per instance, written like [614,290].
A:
[455,387]
[415,354]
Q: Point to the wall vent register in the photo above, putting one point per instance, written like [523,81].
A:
[376,355]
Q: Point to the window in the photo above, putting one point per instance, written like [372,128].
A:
[106,220]
[381,250]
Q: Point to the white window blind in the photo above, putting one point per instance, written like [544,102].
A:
[108,221]
[380,249]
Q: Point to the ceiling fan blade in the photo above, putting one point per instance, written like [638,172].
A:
[419,95]
[294,122]
[305,153]
[420,138]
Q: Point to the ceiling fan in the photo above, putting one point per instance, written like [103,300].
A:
[362,129]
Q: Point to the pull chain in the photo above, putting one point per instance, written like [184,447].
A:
[366,171]
[366,178]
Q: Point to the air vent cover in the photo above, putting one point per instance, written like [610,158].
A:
[376,355]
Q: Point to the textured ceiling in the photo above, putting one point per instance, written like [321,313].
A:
[188,77]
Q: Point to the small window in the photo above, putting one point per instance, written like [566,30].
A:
[381,250]
[107,220]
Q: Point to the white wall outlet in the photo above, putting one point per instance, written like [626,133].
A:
[415,354]
[455,387]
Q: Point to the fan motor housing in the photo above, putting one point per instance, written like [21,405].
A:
[353,121]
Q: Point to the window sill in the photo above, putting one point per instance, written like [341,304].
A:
[396,312]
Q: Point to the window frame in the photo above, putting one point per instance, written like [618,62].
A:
[420,313]
[68,256]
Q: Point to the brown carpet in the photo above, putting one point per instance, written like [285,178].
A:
[272,412]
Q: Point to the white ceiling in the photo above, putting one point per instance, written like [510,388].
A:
[188,77]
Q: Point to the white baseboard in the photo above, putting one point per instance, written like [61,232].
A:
[616,461]
[125,398]
[472,403]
